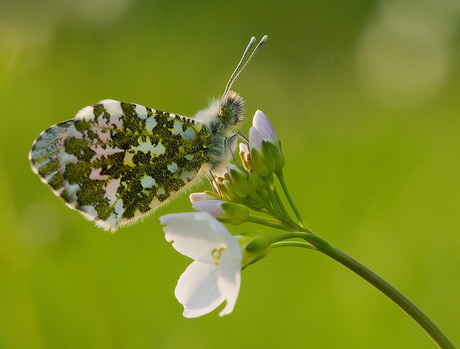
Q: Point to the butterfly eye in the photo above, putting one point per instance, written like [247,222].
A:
[226,114]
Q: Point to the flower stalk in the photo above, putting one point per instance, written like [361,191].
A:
[248,194]
[397,297]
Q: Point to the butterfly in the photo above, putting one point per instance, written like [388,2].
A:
[117,162]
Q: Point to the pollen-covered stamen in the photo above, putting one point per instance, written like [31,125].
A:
[216,254]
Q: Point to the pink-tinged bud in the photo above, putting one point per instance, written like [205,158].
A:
[213,207]
[206,195]
[264,146]
[261,123]
[262,159]
[255,139]
[226,212]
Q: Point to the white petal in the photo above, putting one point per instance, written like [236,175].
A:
[194,197]
[196,234]
[204,285]
[233,254]
[243,148]
[229,282]
[213,207]
[263,125]
[197,289]
[255,139]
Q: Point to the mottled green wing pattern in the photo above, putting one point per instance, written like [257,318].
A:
[116,162]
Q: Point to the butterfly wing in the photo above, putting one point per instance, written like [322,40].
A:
[116,162]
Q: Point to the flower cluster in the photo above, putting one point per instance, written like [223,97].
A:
[247,193]
[240,188]
[242,193]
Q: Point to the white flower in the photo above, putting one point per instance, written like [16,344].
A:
[215,274]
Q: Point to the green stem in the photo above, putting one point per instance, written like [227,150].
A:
[280,176]
[293,244]
[276,198]
[415,313]
[267,222]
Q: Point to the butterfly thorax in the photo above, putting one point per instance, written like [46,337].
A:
[221,119]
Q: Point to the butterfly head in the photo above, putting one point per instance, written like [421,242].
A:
[231,109]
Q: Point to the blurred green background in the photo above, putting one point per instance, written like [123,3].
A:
[364,96]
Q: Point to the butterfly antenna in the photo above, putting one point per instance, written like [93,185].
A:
[237,70]
[229,83]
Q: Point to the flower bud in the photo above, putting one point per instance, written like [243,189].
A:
[245,156]
[226,212]
[206,195]
[235,214]
[229,193]
[262,159]
[213,207]
[261,123]
[278,156]
[257,248]
[263,139]
[246,184]
[240,180]
[225,189]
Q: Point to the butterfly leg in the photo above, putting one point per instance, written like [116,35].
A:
[228,142]
[213,182]
[242,137]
